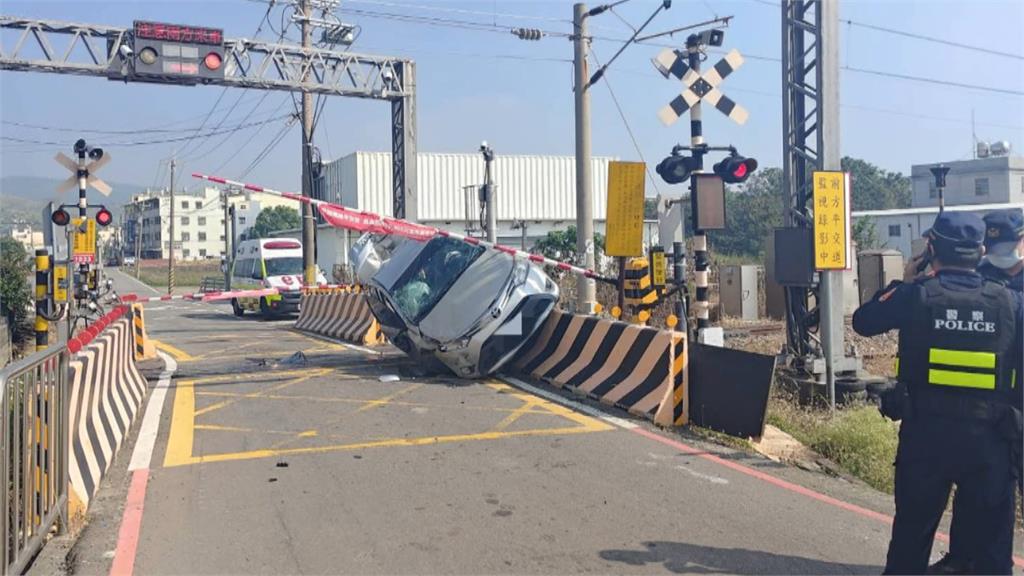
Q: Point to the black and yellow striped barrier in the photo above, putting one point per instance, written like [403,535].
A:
[640,369]
[42,326]
[339,313]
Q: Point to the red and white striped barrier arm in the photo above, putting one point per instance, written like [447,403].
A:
[362,221]
[203,296]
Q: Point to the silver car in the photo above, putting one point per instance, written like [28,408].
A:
[452,304]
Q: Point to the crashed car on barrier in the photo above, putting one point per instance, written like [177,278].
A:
[451,304]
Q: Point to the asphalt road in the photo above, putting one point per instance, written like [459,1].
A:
[265,463]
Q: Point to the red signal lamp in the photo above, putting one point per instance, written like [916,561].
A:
[212,61]
[104,217]
[60,217]
[735,169]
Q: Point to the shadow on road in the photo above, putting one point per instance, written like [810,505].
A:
[682,558]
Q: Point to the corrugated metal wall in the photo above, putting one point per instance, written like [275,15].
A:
[528,187]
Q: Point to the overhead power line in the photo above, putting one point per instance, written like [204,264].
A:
[145,142]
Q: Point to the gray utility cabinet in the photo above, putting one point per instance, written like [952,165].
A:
[738,291]
[877,269]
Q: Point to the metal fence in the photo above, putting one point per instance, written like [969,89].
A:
[34,444]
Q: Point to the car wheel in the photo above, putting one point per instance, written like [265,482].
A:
[236,308]
[265,308]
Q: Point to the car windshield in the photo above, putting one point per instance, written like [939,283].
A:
[283,266]
[431,274]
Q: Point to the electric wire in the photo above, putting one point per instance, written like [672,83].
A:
[625,122]
[144,142]
[249,140]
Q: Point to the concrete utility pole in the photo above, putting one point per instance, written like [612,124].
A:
[308,224]
[586,291]
[492,217]
[227,243]
[138,243]
[170,232]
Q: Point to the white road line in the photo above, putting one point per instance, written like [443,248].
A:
[577,406]
[143,452]
[139,282]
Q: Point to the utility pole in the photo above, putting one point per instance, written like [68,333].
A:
[170,258]
[138,242]
[308,224]
[492,218]
[227,242]
[586,291]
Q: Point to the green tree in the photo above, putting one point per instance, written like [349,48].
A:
[15,291]
[650,208]
[864,233]
[752,212]
[875,188]
[561,244]
[275,219]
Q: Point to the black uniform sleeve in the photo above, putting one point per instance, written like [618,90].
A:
[889,309]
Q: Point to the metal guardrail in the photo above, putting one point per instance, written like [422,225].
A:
[34,444]
[212,284]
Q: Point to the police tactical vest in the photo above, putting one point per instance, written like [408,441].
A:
[959,344]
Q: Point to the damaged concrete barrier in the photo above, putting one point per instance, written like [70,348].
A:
[637,368]
[106,392]
[339,313]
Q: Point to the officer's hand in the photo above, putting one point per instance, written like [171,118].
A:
[910,271]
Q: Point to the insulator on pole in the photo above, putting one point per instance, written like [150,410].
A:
[528,33]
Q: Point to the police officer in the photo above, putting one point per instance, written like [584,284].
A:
[960,338]
[1003,263]
[1004,248]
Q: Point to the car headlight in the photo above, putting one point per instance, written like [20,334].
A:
[520,273]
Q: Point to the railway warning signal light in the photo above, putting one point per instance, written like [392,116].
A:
[104,217]
[675,169]
[735,169]
[60,217]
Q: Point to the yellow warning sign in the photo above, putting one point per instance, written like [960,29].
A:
[658,268]
[60,283]
[832,242]
[84,243]
[625,230]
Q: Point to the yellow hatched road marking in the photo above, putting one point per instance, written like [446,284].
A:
[304,398]
[180,442]
[281,386]
[178,354]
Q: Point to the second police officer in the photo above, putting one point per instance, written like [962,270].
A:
[1003,263]
[959,342]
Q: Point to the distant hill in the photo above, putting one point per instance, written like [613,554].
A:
[22,198]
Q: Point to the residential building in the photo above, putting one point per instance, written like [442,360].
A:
[990,180]
[27,237]
[199,221]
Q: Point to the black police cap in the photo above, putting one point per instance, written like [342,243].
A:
[1004,226]
[959,228]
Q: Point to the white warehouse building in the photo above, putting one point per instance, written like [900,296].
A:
[536,191]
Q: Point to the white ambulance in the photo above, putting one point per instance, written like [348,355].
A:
[269,263]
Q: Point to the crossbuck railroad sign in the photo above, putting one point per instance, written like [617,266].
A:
[699,86]
[89,169]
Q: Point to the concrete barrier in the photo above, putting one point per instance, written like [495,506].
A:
[640,369]
[339,313]
[106,392]
[144,347]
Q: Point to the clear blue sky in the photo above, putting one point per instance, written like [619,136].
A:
[517,95]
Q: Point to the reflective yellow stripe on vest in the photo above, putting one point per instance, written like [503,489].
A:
[962,359]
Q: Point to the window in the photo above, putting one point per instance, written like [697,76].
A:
[894,230]
[981,186]
[933,192]
[244,206]
[185,237]
[184,204]
[185,253]
[184,220]
[221,237]
[198,204]
[283,266]
[435,269]
[202,236]
[241,219]
[202,252]
[202,221]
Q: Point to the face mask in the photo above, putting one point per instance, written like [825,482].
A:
[1006,262]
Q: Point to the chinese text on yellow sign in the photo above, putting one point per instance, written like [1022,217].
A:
[625,209]
[84,244]
[832,244]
